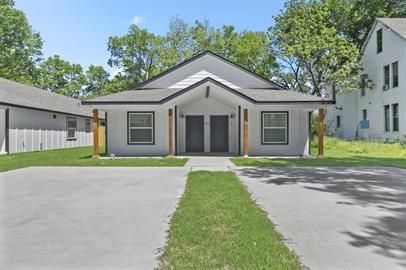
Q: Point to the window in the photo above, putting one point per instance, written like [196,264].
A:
[395,74]
[87,125]
[379,41]
[338,121]
[275,127]
[386,77]
[364,115]
[71,125]
[363,84]
[140,128]
[395,117]
[386,117]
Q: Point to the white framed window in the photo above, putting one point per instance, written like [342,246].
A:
[71,127]
[275,127]
[140,127]
[87,125]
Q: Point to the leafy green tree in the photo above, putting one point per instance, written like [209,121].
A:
[177,44]
[62,77]
[137,53]
[97,79]
[20,46]
[141,55]
[355,18]
[119,83]
[311,51]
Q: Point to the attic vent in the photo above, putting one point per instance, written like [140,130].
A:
[207,91]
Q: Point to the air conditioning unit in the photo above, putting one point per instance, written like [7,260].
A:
[385,87]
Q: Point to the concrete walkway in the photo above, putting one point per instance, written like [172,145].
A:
[209,163]
[86,218]
[336,218]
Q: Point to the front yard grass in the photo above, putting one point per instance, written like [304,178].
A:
[340,153]
[81,156]
[218,226]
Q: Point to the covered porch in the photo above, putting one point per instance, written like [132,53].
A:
[210,120]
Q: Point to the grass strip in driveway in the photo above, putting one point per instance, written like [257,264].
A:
[218,226]
[80,157]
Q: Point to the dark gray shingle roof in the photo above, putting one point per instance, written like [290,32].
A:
[13,93]
[148,95]
[396,24]
[159,96]
[275,95]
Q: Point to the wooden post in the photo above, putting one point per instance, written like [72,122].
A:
[95,133]
[170,132]
[245,132]
[321,133]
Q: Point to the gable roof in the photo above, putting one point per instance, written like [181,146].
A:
[397,25]
[25,96]
[256,96]
[200,55]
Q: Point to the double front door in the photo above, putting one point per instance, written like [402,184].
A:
[218,133]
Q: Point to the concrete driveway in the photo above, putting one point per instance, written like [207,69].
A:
[336,218]
[86,218]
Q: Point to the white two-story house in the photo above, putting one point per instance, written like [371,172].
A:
[377,112]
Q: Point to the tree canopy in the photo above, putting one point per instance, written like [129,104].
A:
[20,45]
[141,54]
[311,53]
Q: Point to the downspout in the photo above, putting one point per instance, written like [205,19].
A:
[7,130]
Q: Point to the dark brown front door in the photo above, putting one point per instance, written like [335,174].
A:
[219,133]
[194,133]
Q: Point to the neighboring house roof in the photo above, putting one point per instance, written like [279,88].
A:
[159,96]
[200,55]
[397,25]
[24,96]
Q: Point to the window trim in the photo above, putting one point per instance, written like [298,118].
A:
[393,117]
[363,85]
[379,49]
[338,121]
[286,132]
[153,128]
[67,128]
[364,112]
[386,120]
[384,77]
[90,125]
[393,74]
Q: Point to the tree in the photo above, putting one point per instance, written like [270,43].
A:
[141,55]
[20,46]
[355,18]
[311,53]
[97,79]
[137,53]
[62,77]
[119,83]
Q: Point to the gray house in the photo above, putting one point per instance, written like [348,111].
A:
[33,119]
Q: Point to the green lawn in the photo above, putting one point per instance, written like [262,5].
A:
[341,153]
[218,226]
[81,156]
